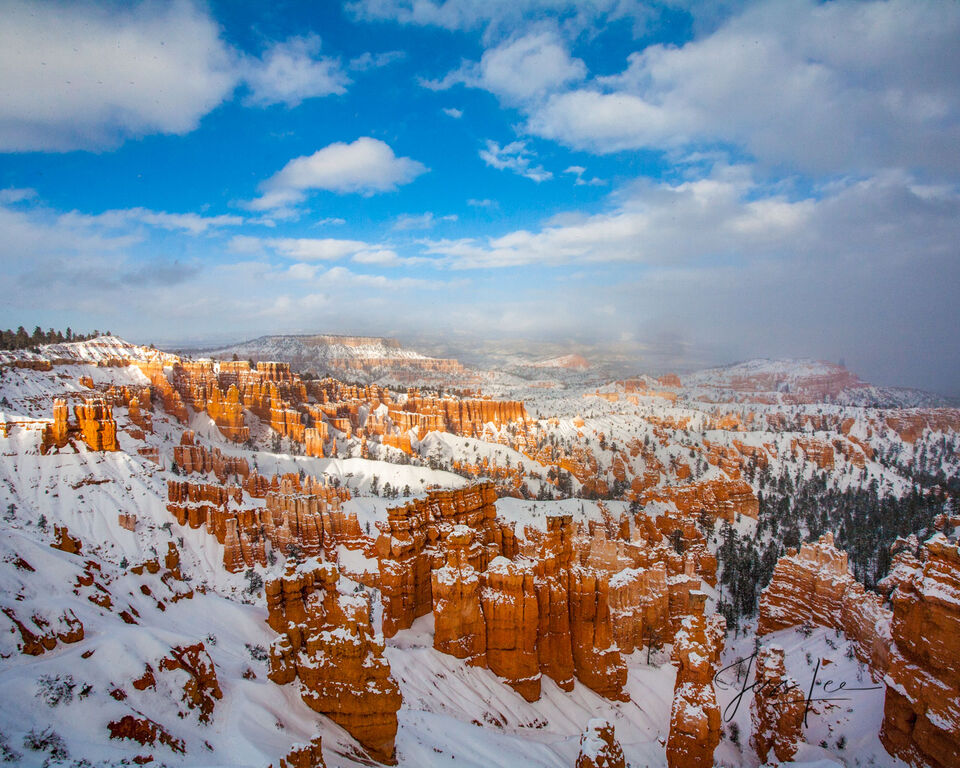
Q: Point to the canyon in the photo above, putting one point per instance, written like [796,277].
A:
[341,558]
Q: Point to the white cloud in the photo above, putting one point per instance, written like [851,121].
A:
[315,249]
[453,112]
[518,70]
[514,157]
[17,194]
[383,257]
[291,71]
[578,171]
[820,87]
[528,67]
[344,276]
[190,223]
[728,216]
[369,60]
[366,166]
[485,203]
[422,221]
[76,76]
[83,76]
[498,17]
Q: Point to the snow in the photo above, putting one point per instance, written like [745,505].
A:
[452,714]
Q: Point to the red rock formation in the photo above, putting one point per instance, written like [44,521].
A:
[818,452]
[128,522]
[327,643]
[66,629]
[777,709]
[144,731]
[695,715]
[720,499]
[910,425]
[195,458]
[150,453]
[459,626]
[670,380]
[921,718]
[599,747]
[169,397]
[95,426]
[596,658]
[815,586]
[139,417]
[65,542]
[511,615]
[201,689]
[639,601]
[314,439]
[410,538]
[227,413]
[308,755]
[58,433]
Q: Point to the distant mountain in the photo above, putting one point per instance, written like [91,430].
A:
[800,381]
[569,362]
[326,353]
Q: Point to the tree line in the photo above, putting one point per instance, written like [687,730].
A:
[20,339]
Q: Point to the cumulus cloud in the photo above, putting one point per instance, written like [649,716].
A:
[514,157]
[818,87]
[78,76]
[83,76]
[366,166]
[518,70]
[291,71]
[727,216]
[453,112]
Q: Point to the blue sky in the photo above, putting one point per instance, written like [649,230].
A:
[689,183]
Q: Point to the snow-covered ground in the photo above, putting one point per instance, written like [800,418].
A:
[452,714]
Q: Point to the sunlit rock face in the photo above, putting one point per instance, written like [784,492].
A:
[921,720]
[695,715]
[815,586]
[777,708]
[599,747]
[326,642]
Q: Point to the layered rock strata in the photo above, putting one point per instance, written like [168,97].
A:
[695,715]
[815,586]
[777,709]
[921,717]
[327,643]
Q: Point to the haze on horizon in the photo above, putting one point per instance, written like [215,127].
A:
[693,183]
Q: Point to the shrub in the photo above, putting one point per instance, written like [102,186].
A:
[47,740]
[56,689]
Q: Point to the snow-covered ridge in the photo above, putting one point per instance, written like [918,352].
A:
[804,380]
[90,351]
[319,348]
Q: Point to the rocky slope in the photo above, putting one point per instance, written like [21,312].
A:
[211,562]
